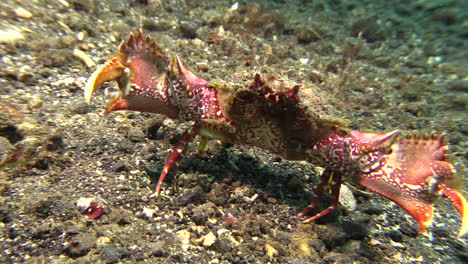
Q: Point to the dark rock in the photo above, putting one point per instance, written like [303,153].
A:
[199,218]
[136,135]
[353,230]
[153,171]
[42,164]
[5,216]
[395,235]
[192,196]
[372,209]
[84,5]
[221,245]
[112,254]
[11,133]
[48,231]
[295,185]
[80,108]
[153,127]
[118,166]
[80,246]
[332,236]
[441,232]
[409,230]
[55,143]
[121,217]
[43,208]
[158,249]
[189,30]
[74,230]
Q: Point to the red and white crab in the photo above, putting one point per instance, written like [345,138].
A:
[409,170]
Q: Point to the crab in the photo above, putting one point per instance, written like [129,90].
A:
[409,170]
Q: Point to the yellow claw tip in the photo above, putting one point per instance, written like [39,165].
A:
[464,217]
[111,70]
[91,86]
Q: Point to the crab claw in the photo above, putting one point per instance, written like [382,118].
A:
[141,71]
[413,174]
[111,70]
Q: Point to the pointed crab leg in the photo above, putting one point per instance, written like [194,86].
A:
[459,202]
[177,153]
[327,178]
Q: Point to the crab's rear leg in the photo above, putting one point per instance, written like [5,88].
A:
[328,178]
[177,153]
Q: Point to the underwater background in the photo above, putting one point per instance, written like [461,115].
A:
[380,65]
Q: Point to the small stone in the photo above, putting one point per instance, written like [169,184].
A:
[21,12]
[111,254]
[193,196]
[118,166]
[199,218]
[347,199]
[270,251]
[148,213]
[183,236]
[209,239]
[222,245]
[395,235]
[189,30]
[158,249]
[36,103]
[102,241]
[84,57]
[83,203]
[203,66]
[374,242]
[118,6]
[136,134]
[10,36]
[80,246]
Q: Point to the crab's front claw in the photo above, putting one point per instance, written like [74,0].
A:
[413,174]
[111,70]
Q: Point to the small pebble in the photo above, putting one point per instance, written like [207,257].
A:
[209,239]
[21,12]
[183,236]
[10,36]
[84,57]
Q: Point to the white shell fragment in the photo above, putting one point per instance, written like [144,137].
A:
[84,203]
[84,57]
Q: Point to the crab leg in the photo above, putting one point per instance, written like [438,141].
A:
[177,153]
[327,178]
